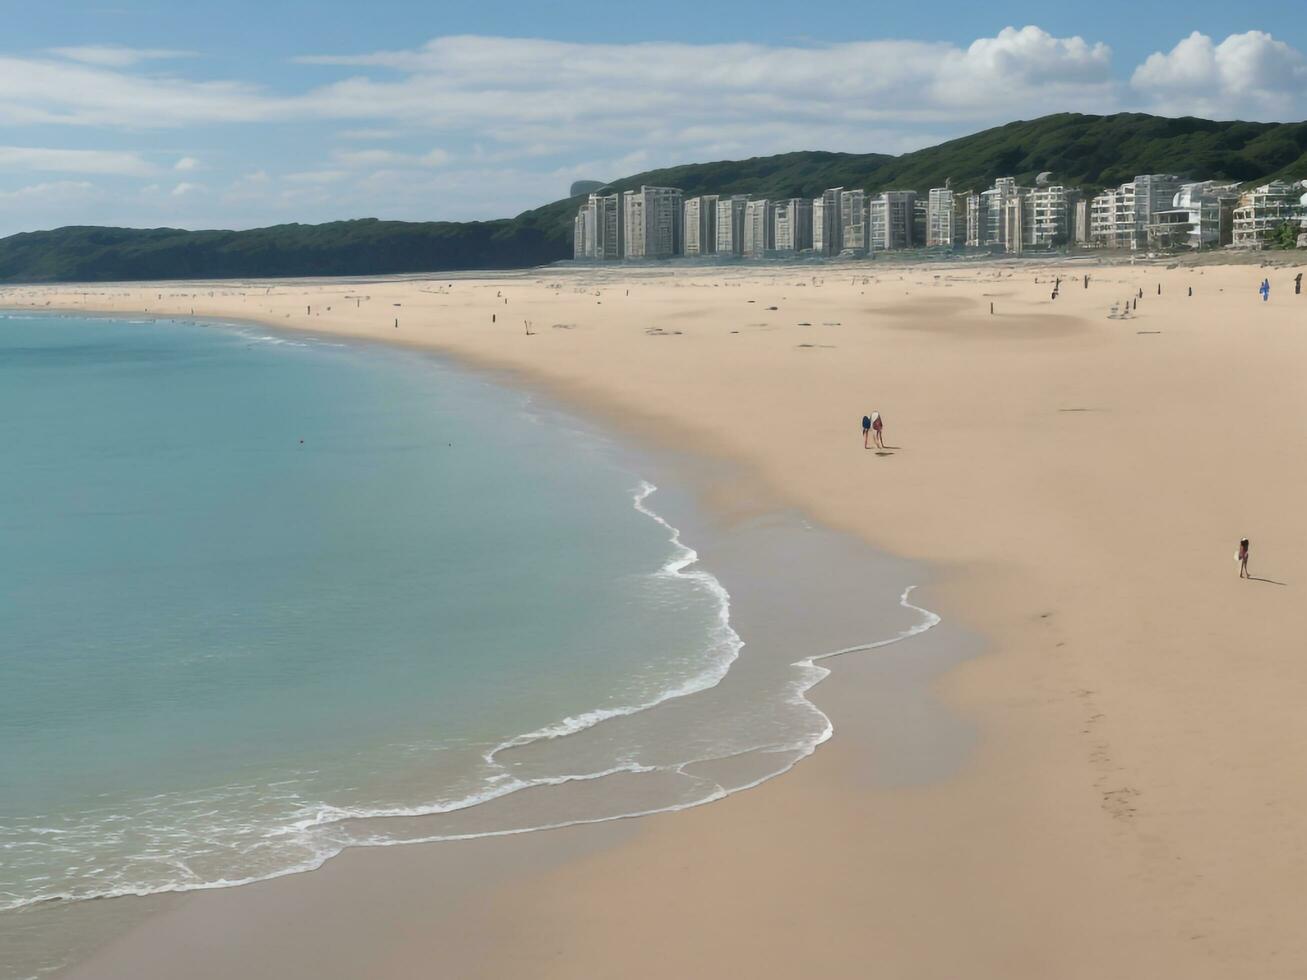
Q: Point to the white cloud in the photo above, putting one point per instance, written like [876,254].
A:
[114,56]
[390,158]
[1251,75]
[48,192]
[50,91]
[115,162]
[184,188]
[316,176]
[370,134]
[186,163]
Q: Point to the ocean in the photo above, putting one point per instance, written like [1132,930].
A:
[264,597]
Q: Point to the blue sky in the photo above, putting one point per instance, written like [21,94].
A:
[146,113]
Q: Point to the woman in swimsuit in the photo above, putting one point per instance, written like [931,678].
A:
[1243,558]
[877,427]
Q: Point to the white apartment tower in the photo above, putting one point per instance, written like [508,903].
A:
[997,219]
[793,225]
[942,218]
[653,222]
[1201,216]
[699,225]
[853,221]
[1119,218]
[579,236]
[758,229]
[827,235]
[1050,216]
[977,220]
[890,219]
[597,229]
[730,224]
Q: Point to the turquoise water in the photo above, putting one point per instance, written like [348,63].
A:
[251,586]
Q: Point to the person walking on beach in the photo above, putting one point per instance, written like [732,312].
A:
[877,428]
[866,431]
[1265,289]
[1243,558]
[1297,284]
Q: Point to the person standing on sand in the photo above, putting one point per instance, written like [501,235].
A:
[1243,558]
[877,428]
[1297,284]
[866,431]
[1265,289]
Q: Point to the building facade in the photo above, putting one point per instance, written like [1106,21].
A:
[730,224]
[890,219]
[1262,211]
[652,218]
[598,229]
[1120,217]
[759,225]
[977,219]
[699,225]
[1201,215]
[942,218]
[1051,216]
[793,226]
[826,233]
[853,222]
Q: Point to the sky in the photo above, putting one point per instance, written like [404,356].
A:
[241,114]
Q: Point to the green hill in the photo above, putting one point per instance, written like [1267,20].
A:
[1090,152]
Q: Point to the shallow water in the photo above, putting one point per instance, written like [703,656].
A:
[265,598]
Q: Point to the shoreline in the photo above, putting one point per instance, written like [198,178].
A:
[167,903]
[1123,813]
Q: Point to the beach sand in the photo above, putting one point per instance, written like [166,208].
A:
[1132,803]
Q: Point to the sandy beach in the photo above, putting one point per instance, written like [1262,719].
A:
[1130,802]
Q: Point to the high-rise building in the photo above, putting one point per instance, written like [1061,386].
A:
[890,219]
[730,224]
[918,221]
[793,225]
[853,221]
[827,236]
[579,236]
[699,225]
[1050,216]
[653,222]
[977,218]
[997,218]
[598,229]
[758,228]
[635,237]
[945,218]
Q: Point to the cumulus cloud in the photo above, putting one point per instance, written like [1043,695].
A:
[1251,75]
[115,162]
[184,188]
[186,163]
